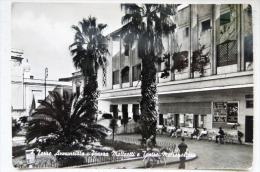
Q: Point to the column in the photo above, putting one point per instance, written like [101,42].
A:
[193,34]
[131,56]
[120,113]
[240,37]
[120,56]
[215,37]
[130,111]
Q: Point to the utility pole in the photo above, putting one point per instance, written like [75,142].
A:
[46,75]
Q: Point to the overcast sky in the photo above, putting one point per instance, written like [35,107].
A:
[43,31]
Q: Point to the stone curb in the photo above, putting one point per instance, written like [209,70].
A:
[133,159]
[173,162]
[106,163]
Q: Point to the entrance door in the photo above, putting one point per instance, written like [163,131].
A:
[125,111]
[196,121]
[136,115]
[160,119]
[177,120]
[249,129]
[115,111]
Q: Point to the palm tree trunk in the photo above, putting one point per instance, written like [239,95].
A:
[149,98]
[113,135]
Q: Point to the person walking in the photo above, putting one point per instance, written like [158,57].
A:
[239,135]
[182,150]
[149,144]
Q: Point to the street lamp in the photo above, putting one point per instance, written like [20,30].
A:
[46,75]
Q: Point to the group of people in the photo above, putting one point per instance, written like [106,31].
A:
[176,132]
[221,134]
[183,148]
[199,134]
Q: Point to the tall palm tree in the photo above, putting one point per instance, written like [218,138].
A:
[147,24]
[66,117]
[89,52]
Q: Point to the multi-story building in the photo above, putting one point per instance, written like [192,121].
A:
[221,96]
[27,91]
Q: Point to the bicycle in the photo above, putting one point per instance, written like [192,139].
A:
[154,158]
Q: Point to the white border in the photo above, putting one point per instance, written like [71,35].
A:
[5,84]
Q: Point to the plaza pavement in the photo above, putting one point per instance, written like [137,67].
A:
[210,155]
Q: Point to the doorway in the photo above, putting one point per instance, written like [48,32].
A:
[176,120]
[125,111]
[114,109]
[249,129]
[160,119]
[196,121]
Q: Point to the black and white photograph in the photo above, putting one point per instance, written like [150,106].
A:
[132,85]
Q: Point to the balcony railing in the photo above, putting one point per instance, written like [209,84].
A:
[227,53]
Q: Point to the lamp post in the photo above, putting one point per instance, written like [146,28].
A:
[46,75]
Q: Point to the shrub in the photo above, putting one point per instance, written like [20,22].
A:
[107,116]
[66,161]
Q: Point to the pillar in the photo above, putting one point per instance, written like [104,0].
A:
[120,56]
[193,36]
[130,111]
[240,37]
[120,113]
[215,16]
[131,56]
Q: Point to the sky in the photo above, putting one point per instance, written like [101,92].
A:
[43,31]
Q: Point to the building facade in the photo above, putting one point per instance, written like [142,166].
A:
[220,96]
[27,91]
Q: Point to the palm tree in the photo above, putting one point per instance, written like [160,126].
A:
[64,119]
[89,52]
[147,24]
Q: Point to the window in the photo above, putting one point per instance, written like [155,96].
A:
[116,77]
[232,109]
[126,49]
[249,101]
[104,78]
[248,53]
[225,18]
[189,120]
[205,25]
[227,53]
[137,72]
[225,112]
[125,74]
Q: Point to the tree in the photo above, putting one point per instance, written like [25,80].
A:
[147,24]
[89,52]
[64,119]
[113,125]
[199,60]
[16,127]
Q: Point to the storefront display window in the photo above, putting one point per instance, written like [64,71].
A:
[189,120]
[225,112]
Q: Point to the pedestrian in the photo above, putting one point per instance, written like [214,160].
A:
[173,132]
[239,135]
[149,144]
[182,150]
[203,133]
[195,133]
[178,131]
[220,135]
